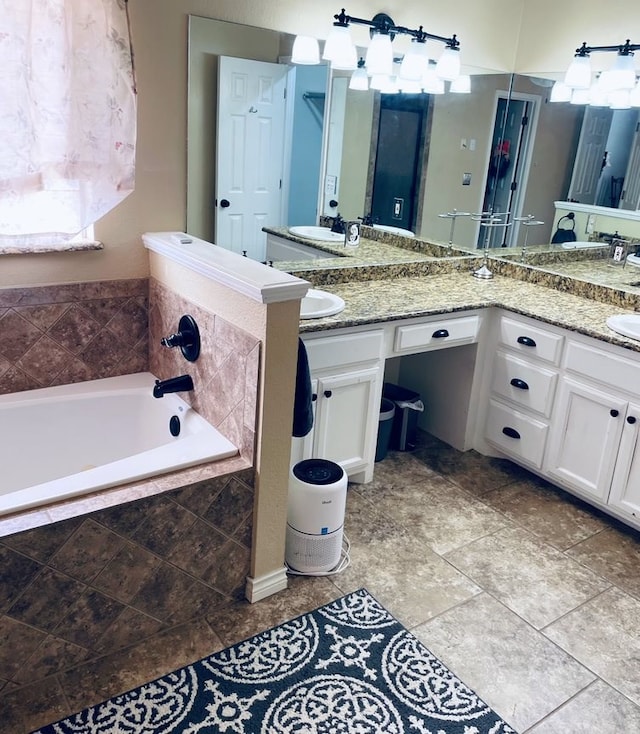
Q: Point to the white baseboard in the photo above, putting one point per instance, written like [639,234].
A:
[263,586]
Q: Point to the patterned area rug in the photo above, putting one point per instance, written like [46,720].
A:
[346,668]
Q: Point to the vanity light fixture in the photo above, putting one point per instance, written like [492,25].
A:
[340,52]
[359,79]
[613,86]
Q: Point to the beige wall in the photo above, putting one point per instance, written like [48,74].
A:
[551,31]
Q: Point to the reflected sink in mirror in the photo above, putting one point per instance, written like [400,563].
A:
[580,245]
[321,234]
[634,260]
[317,304]
[394,230]
[625,324]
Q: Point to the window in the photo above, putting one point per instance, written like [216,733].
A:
[68,117]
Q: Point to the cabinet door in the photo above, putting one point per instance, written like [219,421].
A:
[347,418]
[625,490]
[583,441]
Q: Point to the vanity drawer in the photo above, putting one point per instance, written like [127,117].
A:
[528,385]
[530,340]
[516,434]
[344,349]
[436,334]
[600,364]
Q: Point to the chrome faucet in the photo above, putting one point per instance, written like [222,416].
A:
[182,383]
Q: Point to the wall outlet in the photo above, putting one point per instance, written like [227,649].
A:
[466,179]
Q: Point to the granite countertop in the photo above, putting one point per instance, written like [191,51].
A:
[389,300]
[388,278]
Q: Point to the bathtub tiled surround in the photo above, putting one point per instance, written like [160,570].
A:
[58,334]
[102,581]
[225,375]
[74,591]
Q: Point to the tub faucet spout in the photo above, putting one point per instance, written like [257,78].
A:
[182,383]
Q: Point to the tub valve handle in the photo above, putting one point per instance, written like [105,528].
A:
[187,338]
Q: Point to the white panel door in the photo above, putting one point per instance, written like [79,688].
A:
[631,191]
[591,148]
[250,153]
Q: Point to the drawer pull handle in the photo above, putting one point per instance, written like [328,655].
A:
[526,341]
[328,393]
[314,397]
[511,432]
[614,413]
[631,419]
[440,334]
[520,384]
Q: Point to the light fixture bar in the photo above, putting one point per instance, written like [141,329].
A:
[382,23]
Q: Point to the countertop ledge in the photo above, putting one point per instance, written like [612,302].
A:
[387,300]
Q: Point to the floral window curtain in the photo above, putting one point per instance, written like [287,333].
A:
[67,116]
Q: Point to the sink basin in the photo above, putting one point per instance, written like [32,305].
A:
[634,260]
[394,230]
[322,234]
[317,304]
[626,324]
[576,245]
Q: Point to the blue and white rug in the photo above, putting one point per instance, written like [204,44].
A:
[346,668]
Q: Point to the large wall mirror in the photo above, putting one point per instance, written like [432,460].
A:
[503,148]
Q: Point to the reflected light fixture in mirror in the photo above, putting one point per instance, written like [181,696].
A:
[305,51]
[359,79]
[617,87]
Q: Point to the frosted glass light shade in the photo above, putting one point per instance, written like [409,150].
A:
[448,66]
[622,74]
[414,62]
[580,96]
[578,74]
[340,50]
[461,85]
[359,80]
[305,50]
[379,58]
[338,38]
[431,84]
[598,97]
[619,99]
[560,92]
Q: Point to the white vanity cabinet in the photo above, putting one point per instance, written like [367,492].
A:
[521,380]
[594,441]
[346,371]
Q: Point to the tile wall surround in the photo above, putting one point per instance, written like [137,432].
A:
[59,334]
[225,375]
[74,590]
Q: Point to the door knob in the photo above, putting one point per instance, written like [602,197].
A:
[224,203]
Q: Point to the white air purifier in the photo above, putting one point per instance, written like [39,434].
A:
[315,516]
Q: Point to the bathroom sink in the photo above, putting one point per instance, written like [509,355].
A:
[317,304]
[394,230]
[581,245]
[634,260]
[626,324]
[322,234]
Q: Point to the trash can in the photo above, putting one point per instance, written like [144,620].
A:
[408,404]
[385,424]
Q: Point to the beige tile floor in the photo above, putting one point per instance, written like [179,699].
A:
[528,595]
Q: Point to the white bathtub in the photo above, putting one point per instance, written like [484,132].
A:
[66,441]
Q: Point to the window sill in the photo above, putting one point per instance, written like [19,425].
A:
[83,246]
